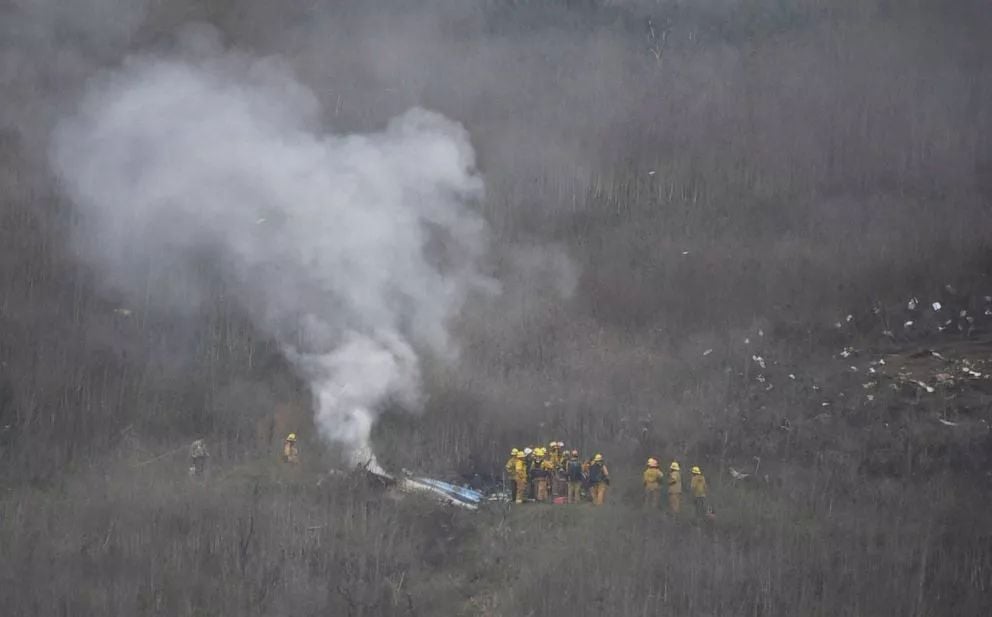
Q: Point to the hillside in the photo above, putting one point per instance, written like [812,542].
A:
[743,234]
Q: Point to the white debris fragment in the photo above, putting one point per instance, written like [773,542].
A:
[969,372]
[871,370]
[911,305]
[923,385]
[759,360]
[869,385]
[260,221]
[988,311]
[747,341]
[936,306]
[937,355]
[854,369]
[792,377]
[760,378]
[870,397]
[881,361]
[685,252]
[963,314]
[849,318]
[707,352]
[838,325]
[824,404]
[761,332]
[123,311]
[907,324]
[888,333]
[652,172]
[946,422]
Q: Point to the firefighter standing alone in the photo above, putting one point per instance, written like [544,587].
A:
[290,453]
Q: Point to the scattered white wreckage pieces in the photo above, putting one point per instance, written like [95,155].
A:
[946,422]
[759,360]
[936,306]
[912,304]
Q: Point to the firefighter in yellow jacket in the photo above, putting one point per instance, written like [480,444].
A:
[508,471]
[698,487]
[290,453]
[539,475]
[520,476]
[674,488]
[652,484]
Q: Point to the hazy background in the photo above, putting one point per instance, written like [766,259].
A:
[660,179]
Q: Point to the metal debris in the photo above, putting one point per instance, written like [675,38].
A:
[759,360]
[907,324]
[936,306]
[946,422]
[707,352]
[911,305]
[792,377]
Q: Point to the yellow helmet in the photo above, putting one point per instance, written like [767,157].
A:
[521,455]
[652,462]
[539,452]
[513,452]
[597,458]
[291,437]
[696,471]
[674,466]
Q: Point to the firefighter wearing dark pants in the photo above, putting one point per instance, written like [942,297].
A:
[652,484]
[698,487]
[574,476]
[674,488]
[520,477]
[599,479]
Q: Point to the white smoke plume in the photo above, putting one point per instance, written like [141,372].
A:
[351,251]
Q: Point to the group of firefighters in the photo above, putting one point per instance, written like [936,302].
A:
[555,474]
[551,474]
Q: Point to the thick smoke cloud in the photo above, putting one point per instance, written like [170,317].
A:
[351,251]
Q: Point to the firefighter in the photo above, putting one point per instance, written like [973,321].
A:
[674,488]
[290,453]
[549,469]
[554,454]
[698,487]
[599,479]
[574,476]
[508,472]
[520,476]
[652,484]
[198,455]
[539,475]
